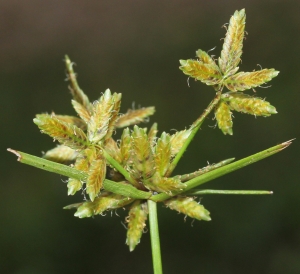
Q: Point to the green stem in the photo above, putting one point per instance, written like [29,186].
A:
[186,177]
[194,128]
[223,170]
[154,234]
[119,168]
[234,192]
[115,187]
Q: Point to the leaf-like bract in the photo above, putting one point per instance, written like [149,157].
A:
[233,43]
[247,80]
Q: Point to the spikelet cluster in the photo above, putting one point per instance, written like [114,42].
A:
[86,141]
[225,74]
[83,138]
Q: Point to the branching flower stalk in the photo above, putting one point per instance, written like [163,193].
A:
[135,172]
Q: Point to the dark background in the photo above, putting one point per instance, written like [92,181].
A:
[133,47]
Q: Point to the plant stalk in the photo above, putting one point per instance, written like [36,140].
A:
[228,192]
[194,128]
[154,234]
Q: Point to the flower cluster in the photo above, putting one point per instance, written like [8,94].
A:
[139,158]
[224,74]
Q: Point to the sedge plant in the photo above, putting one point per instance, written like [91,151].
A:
[135,172]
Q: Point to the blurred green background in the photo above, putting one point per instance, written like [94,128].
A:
[133,47]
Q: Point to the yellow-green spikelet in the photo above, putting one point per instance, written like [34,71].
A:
[141,154]
[189,207]
[136,223]
[223,117]
[247,104]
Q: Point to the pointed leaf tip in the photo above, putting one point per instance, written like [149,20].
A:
[16,153]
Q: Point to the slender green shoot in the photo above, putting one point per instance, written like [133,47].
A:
[195,127]
[228,192]
[154,234]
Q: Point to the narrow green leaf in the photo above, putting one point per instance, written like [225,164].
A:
[228,192]
[186,177]
[224,170]
[116,187]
